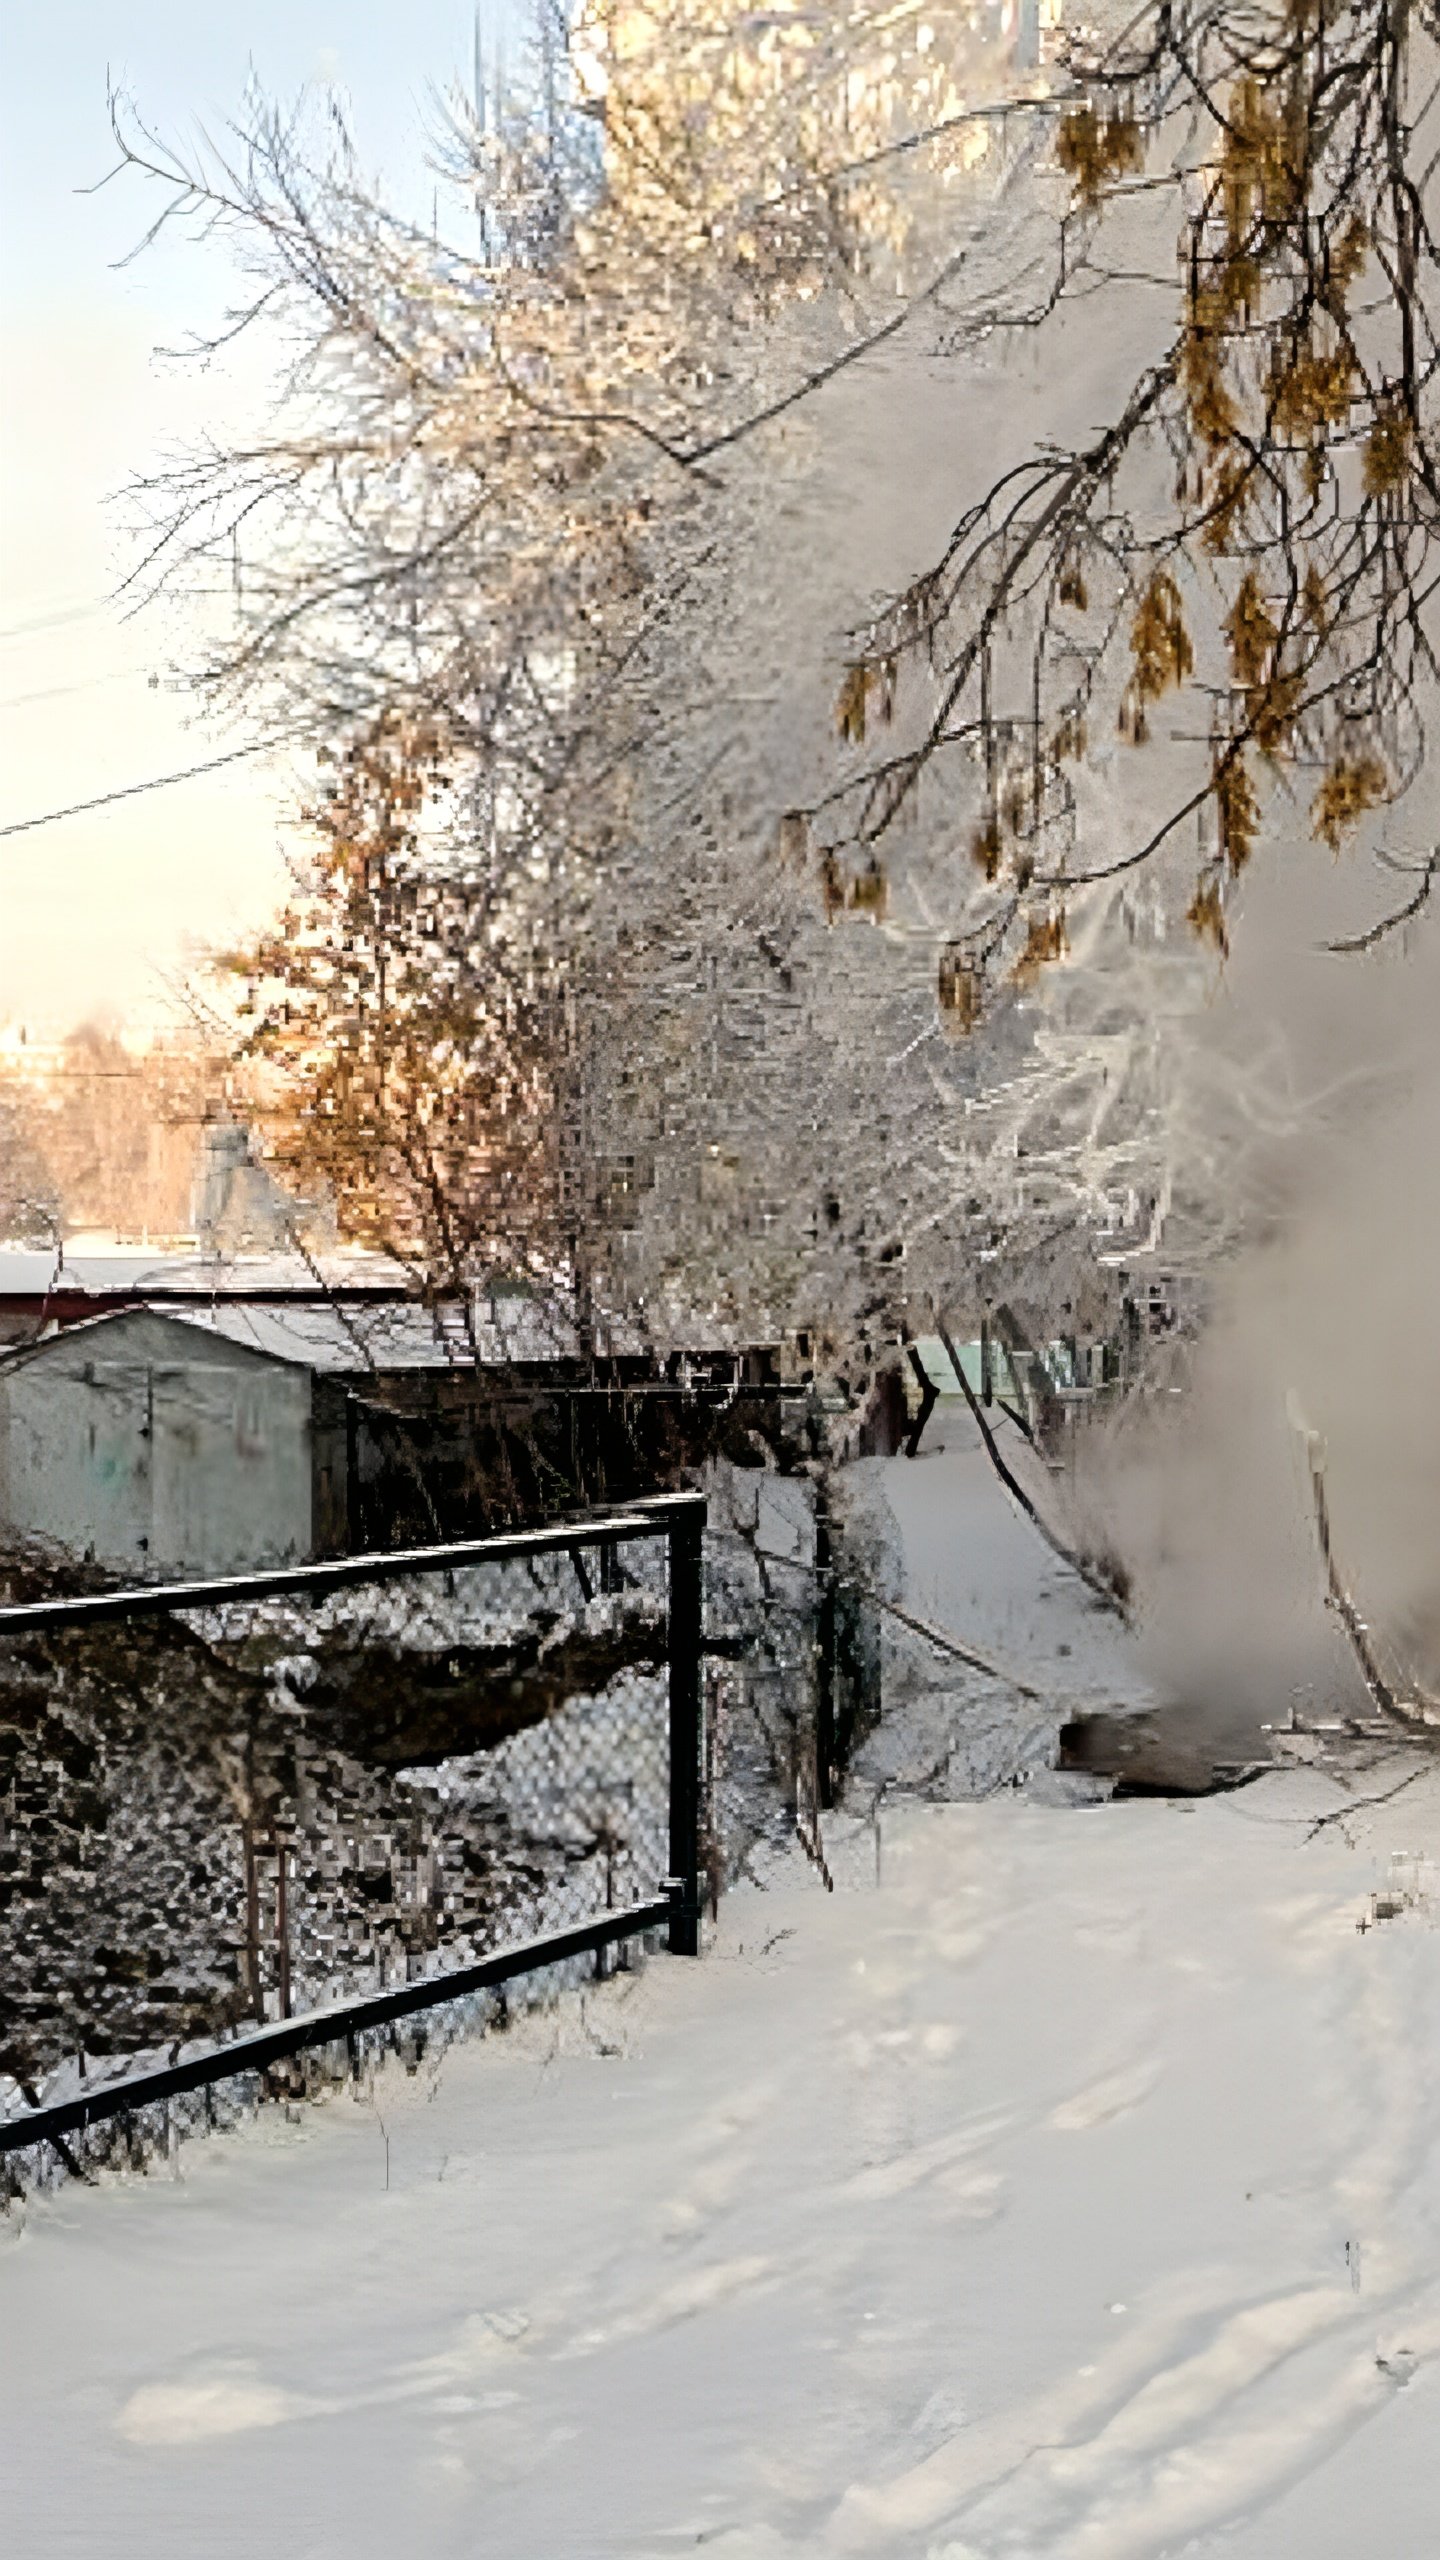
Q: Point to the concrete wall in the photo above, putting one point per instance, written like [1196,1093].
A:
[142,1444]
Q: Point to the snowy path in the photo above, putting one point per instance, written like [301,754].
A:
[1059,2197]
[1069,2192]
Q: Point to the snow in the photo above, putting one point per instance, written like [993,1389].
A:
[1064,2186]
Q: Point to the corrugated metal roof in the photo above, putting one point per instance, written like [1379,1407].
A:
[382,1334]
[343,1341]
[359,1339]
[29,1273]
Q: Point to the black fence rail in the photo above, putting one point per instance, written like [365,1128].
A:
[641,1875]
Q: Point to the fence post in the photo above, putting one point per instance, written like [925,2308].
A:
[825,1649]
[686,1716]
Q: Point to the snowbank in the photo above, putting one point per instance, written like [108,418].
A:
[1068,2189]
[1064,2186]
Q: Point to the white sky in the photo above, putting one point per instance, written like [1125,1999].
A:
[95,912]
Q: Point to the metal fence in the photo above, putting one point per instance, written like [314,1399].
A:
[338,1795]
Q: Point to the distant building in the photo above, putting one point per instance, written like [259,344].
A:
[148,1442]
[214,1437]
[161,1439]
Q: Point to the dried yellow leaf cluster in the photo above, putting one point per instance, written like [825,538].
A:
[1353,786]
[1205,915]
[1309,389]
[1264,158]
[1271,693]
[1252,632]
[865,892]
[865,682]
[1095,151]
[1161,653]
[1214,415]
[1046,939]
[1389,450]
[870,892]
[987,845]
[1237,808]
[958,990]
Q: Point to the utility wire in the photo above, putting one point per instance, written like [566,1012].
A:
[57,692]
[50,621]
[132,790]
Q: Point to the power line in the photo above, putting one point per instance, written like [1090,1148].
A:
[57,692]
[133,790]
[50,621]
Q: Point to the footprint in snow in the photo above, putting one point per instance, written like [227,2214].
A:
[702,2290]
[1116,2095]
[229,2400]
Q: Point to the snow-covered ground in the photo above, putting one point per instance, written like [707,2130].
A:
[1066,2183]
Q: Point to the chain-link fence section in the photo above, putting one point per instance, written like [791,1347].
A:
[226,1805]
